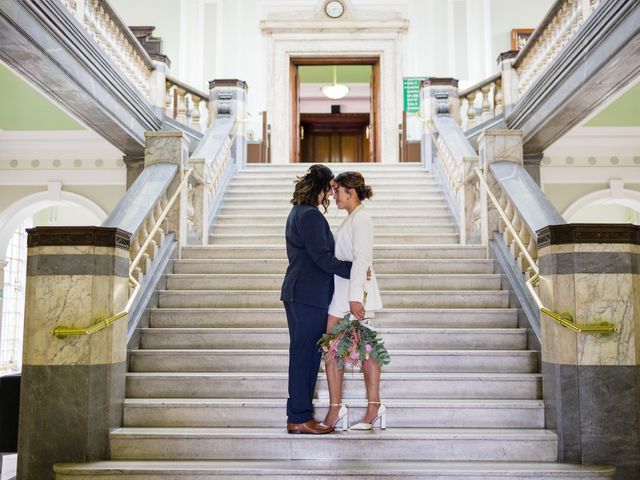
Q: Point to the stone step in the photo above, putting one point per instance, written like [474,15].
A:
[391,197]
[250,412]
[506,386]
[394,338]
[286,189]
[254,360]
[381,252]
[370,174]
[331,468]
[390,299]
[464,444]
[379,239]
[273,228]
[266,281]
[386,181]
[381,266]
[254,216]
[387,318]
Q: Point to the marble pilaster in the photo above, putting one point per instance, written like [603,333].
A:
[3,265]
[135,165]
[592,381]
[72,388]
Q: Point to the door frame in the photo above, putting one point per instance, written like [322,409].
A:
[297,61]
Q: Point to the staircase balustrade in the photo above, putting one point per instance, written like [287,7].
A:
[557,28]
[116,39]
[186,104]
[481,102]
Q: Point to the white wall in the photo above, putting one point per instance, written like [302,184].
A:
[208,39]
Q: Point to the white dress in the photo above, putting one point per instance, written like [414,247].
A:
[354,242]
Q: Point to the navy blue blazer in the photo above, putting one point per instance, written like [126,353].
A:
[312,264]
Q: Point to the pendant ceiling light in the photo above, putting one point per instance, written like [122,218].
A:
[335,91]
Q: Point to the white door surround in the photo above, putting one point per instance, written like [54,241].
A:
[310,33]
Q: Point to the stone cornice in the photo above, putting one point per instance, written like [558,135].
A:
[588,233]
[78,236]
[228,82]
[301,26]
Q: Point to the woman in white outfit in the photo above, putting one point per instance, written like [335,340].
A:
[354,242]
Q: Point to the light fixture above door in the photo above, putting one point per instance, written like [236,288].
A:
[335,91]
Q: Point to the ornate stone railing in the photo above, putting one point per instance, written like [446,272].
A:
[213,166]
[557,28]
[454,161]
[481,102]
[186,104]
[116,40]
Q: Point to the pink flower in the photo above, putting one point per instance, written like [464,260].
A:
[368,348]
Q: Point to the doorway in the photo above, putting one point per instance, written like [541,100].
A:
[332,126]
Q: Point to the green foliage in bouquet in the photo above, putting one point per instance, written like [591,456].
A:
[351,342]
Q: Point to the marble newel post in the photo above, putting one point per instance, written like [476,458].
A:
[72,388]
[498,146]
[229,98]
[591,383]
[437,96]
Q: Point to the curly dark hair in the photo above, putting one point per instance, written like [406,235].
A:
[316,181]
[354,180]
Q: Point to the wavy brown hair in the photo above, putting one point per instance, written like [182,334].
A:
[356,181]
[316,181]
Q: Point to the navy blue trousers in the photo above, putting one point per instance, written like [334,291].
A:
[306,326]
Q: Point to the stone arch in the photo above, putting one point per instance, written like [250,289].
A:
[609,196]
[15,213]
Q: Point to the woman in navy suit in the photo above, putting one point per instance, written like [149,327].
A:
[307,291]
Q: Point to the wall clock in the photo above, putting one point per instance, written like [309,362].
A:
[334,9]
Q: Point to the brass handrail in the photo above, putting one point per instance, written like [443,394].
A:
[62,332]
[564,319]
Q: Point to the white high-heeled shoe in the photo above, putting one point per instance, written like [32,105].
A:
[381,415]
[343,415]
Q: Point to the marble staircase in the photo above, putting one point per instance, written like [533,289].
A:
[206,391]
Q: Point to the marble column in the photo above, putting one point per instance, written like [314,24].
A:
[135,165]
[228,97]
[591,382]
[72,388]
[532,165]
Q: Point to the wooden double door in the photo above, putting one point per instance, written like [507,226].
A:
[335,138]
[338,137]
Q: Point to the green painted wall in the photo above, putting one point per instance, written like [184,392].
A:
[24,108]
[624,112]
[344,74]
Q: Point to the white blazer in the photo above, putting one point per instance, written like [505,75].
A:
[354,242]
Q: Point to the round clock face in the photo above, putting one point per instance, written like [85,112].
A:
[334,9]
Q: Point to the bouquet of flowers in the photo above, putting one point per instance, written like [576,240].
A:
[351,342]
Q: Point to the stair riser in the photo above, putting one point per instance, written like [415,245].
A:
[426,239]
[436,449]
[166,415]
[255,197]
[280,218]
[337,474]
[379,253]
[466,339]
[229,362]
[286,190]
[380,266]
[375,183]
[479,282]
[380,229]
[528,388]
[480,318]
[202,299]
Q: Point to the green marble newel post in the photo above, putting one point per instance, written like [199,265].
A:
[72,388]
[591,382]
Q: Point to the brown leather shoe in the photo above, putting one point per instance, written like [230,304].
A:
[310,428]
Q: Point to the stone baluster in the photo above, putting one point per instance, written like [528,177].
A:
[195,117]
[486,105]
[497,98]
[181,110]
[471,110]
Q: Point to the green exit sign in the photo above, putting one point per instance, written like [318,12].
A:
[411,87]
